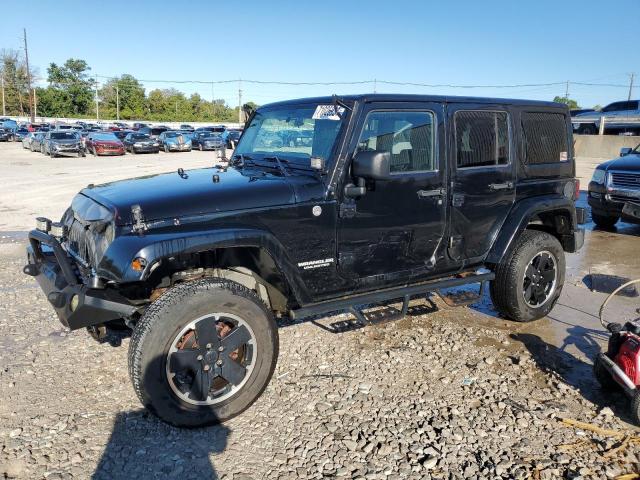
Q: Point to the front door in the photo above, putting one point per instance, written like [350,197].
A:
[482,187]
[398,224]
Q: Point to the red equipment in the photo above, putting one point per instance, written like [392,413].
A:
[620,365]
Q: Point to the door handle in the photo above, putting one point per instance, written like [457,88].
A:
[501,186]
[430,193]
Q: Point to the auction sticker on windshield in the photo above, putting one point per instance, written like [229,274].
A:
[328,112]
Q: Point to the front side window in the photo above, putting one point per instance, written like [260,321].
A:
[408,136]
[482,138]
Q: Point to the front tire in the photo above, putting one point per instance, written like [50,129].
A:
[530,277]
[604,221]
[181,361]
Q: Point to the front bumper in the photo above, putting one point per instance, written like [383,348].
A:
[179,147]
[54,271]
[146,149]
[610,202]
[109,151]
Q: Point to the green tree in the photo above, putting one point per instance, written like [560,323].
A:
[127,92]
[74,86]
[16,87]
[570,102]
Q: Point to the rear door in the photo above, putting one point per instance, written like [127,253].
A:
[483,184]
[395,229]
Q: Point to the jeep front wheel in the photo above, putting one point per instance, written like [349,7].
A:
[203,352]
[530,277]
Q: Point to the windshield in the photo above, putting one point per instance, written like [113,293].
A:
[105,136]
[295,132]
[140,136]
[63,135]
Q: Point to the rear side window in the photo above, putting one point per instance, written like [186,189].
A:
[482,138]
[408,136]
[545,137]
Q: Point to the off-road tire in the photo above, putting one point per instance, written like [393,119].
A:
[635,407]
[506,289]
[604,221]
[603,376]
[161,323]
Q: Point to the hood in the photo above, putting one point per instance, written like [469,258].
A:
[629,163]
[195,192]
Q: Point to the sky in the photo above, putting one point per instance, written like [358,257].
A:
[464,42]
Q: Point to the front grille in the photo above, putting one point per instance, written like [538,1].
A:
[625,180]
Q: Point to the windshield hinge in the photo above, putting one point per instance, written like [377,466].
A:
[139,226]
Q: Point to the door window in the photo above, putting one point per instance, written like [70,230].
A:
[408,136]
[482,138]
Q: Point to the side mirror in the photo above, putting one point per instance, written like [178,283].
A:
[625,151]
[374,165]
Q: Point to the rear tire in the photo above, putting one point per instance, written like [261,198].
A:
[530,277]
[171,390]
[607,383]
[604,221]
[635,407]
[588,130]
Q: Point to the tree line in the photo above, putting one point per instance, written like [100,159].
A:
[70,93]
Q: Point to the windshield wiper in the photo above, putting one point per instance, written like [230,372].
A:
[240,157]
[280,164]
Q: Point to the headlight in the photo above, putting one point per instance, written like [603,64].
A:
[43,224]
[598,176]
[156,144]
[137,144]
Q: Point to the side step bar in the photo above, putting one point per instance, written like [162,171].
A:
[404,292]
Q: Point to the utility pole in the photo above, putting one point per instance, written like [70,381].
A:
[117,103]
[35,104]
[26,57]
[97,106]
[213,102]
[566,91]
[4,107]
[632,75]
[240,116]
[375,85]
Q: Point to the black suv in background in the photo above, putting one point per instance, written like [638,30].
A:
[614,190]
[391,197]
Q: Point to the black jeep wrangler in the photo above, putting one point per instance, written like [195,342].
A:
[393,196]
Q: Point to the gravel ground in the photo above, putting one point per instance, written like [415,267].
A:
[443,393]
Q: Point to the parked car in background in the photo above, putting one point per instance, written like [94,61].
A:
[232,138]
[186,126]
[215,128]
[172,141]
[139,125]
[614,184]
[103,143]
[121,134]
[136,142]
[37,142]
[10,126]
[20,133]
[578,111]
[26,140]
[153,132]
[5,135]
[208,140]
[63,143]
[619,117]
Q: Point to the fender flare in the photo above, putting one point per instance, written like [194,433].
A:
[116,263]
[520,216]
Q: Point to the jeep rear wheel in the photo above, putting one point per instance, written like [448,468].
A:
[203,352]
[529,280]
